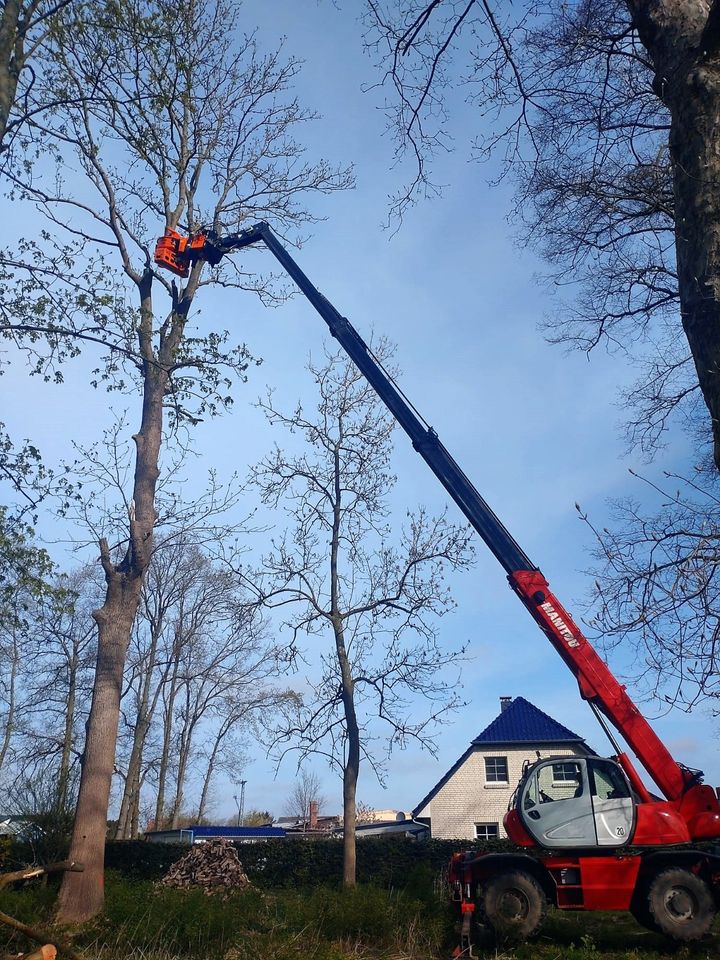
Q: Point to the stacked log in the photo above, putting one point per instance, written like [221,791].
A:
[214,867]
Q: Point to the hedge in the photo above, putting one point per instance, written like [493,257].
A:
[390,862]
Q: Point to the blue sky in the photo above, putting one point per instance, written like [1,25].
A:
[535,429]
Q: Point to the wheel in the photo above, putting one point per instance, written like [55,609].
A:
[641,912]
[514,905]
[681,904]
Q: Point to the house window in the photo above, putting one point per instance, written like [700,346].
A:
[486,831]
[496,769]
[565,772]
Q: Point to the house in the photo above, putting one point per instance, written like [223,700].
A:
[470,800]
[314,825]
[384,816]
[317,826]
[396,823]
[398,828]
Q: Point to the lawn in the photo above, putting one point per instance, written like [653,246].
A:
[144,922]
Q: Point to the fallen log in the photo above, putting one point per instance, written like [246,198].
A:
[28,873]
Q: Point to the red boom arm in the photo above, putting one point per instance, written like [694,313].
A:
[598,685]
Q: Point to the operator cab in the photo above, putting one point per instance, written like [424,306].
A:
[576,802]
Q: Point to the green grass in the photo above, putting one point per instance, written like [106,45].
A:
[144,922]
[573,935]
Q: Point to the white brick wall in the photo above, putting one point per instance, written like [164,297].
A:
[466,798]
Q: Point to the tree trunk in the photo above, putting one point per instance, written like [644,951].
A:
[186,739]
[82,894]
[64,771]
[135,812]
[130,793]
[695,153]
[10,719]
[130,804]
[351,768]
[11,60]
[210,770]
[683,40]
[165,751]
[83,897]
[350,780]
[168,730]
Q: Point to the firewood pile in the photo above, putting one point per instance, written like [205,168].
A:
[213,866]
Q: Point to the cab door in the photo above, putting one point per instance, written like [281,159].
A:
[613,805]
[555,804]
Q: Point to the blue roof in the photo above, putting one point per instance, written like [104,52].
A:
[229,833]
[521,722]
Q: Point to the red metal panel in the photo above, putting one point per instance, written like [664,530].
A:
[516,831]
[660,823]
[608,882]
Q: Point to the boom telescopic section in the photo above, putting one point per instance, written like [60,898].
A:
[699,815]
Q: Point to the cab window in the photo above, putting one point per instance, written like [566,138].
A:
[608,783]
[546,787]
[531,794]
[551,787]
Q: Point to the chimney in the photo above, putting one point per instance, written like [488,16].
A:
[313,815]
[505,703]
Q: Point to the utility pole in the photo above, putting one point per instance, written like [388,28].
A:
[241,807]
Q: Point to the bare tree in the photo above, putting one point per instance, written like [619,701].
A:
[33,602]
[606,112]
[248,706]
[191,124]
[199,604]
[306,790]
[174,607]
[151,660]
[199,675]
[373,591]
[61,682]
[224,675]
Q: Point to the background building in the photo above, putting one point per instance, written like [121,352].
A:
[470,800]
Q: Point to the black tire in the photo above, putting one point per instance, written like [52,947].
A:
[513,905]
[640,910]
[681,904]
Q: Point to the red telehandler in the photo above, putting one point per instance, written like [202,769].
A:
[607,844]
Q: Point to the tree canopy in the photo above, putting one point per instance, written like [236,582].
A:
[604,114]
